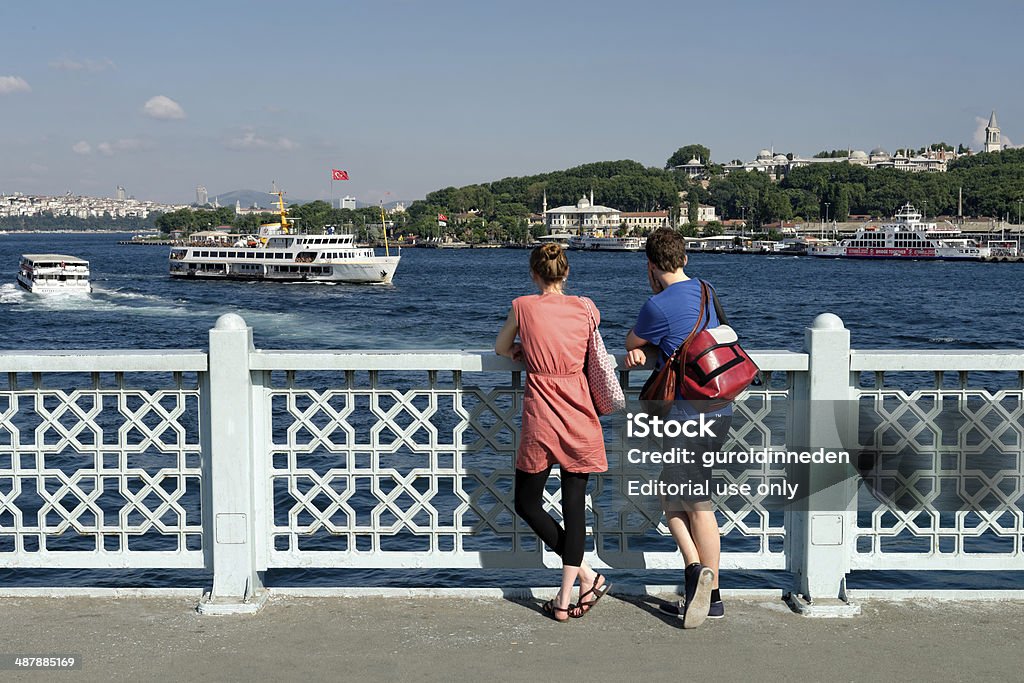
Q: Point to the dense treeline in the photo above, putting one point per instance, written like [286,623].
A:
[50,222]
[992,183]
[501,208]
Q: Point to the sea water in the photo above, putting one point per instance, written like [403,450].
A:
[459,299]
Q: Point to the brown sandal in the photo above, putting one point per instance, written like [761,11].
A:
[584,606]
[552,609]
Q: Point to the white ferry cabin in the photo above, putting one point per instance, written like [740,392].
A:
[54,274]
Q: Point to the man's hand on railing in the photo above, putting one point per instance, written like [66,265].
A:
[635,358]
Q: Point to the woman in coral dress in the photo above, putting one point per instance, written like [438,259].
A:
[560,424]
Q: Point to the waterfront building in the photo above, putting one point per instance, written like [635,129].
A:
[202,197]
[347,202]
[644,221]
[993,139]
[583,217]
[705,214]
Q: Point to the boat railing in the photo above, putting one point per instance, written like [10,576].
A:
[238,460]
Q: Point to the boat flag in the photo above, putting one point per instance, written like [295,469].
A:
[338,174]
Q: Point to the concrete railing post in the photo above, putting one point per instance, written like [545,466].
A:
[820,527]
[229,505]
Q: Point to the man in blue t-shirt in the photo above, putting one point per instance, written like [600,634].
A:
[665,321]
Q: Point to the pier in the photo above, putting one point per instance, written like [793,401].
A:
[490,638]
[237,460]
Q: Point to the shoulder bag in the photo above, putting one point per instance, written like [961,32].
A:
[605,389]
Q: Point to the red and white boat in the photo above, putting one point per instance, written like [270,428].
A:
[906,237]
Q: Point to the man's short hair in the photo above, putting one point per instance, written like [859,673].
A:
[666,249]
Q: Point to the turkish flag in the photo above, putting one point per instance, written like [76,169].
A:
[442,217]
[337,174]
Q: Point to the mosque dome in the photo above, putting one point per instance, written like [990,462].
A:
[858,154]
[764,154]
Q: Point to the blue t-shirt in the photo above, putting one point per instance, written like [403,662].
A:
[668,317]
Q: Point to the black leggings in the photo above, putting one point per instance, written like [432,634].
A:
[568,542]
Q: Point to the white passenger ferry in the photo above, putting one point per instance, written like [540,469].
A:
[598,243]
[282,254]
[54,274]
[905,237]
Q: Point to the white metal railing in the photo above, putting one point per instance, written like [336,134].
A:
[949,483]
[241,460]
[100,467]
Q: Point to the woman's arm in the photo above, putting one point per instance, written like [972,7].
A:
[505,344]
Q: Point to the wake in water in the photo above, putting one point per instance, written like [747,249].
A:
[11,294]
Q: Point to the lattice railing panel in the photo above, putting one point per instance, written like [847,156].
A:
[948,480]
[370,463]
[92,465]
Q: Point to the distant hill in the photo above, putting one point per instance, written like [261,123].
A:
[253,198]
[266,200]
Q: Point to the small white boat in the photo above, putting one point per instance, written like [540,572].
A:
[54,274]
[599,243]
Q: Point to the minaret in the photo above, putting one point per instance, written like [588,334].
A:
[591,196]
[992,138]
[545,202]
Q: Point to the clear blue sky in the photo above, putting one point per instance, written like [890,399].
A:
[413,96]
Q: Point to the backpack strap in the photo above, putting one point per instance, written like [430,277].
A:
[703,316]
[722,319]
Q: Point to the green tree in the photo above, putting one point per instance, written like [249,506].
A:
[684,154]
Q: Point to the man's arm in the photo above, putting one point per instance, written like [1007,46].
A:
[638,348]
[633,341]
[651,322]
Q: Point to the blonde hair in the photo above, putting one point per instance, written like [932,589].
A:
[549,263]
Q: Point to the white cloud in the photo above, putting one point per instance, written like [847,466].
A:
[109,149]
[84,65]
[12,84]
[161,107]
[250,140]
[122,145]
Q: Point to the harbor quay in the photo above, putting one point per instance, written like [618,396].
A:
[237,461]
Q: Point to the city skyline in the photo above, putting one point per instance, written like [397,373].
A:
[411,97]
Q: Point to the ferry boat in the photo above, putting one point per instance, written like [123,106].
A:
[54,274]
[283,254]
[599,243]
[905,237]
[561,238]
